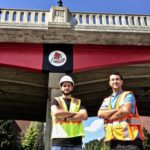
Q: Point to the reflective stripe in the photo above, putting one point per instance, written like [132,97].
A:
[70,122]
[75,104]
[134,121]
[126,134]
[117,122]
[131,121]
[63,104]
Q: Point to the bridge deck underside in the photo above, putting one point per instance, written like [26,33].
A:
[23,94]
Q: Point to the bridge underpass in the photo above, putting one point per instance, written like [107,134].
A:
[23,94]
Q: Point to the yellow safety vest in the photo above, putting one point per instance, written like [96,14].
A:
[67,129]
[126,128]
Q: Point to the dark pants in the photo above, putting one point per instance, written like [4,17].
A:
[77,147]
[127,145]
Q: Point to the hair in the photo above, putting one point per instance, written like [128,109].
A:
[116,73]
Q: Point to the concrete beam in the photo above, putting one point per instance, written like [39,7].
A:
[71,36]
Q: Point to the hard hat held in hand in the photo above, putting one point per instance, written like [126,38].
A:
[66,78]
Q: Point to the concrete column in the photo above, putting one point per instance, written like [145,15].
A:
[53,91]
[48,127]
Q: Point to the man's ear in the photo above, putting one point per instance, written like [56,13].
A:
[122,82]
[109,83]
[72,87]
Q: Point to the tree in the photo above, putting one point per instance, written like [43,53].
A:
[30,140]
[96,145]
[147,139]
[8,139]
[92,145]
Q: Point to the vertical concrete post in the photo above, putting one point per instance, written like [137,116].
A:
[53,91]
[48,127]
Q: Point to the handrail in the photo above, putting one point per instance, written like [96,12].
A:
[40,19]
[110,19]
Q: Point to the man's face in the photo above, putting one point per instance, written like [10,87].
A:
[115,82]
[66,88]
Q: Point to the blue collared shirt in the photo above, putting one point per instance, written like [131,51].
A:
[129,98]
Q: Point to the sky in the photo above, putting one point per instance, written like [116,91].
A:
[94,129]
[93,126]
[101,6]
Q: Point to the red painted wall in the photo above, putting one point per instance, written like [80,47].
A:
[85,57]
[21,55]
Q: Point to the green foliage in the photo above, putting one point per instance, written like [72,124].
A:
[105,147]
[96,145]
[92,145]
[30,138]
[8,139]
[5,134]
[147,139]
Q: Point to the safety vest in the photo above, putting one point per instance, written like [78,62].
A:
[126,128]
[67,129]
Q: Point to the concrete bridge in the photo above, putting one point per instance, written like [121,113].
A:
[100,43]
[59,25]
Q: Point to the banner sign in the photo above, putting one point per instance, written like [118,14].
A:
[68,58]
[57,58]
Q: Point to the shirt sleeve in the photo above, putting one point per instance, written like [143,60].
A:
[54,102]
[130,99]
[104,105]
[82,106]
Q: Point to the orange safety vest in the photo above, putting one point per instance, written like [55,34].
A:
[126,128]
[67,129]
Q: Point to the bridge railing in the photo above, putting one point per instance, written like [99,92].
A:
[60,16]
[17,18]
[110,19]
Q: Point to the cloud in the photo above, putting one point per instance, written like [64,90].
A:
[96,125]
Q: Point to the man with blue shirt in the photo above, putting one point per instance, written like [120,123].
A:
[122,122]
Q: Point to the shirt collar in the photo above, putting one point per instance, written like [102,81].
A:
[116,94]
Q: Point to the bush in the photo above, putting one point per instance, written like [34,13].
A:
[30,138]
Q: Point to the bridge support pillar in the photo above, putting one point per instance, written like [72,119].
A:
[53,91]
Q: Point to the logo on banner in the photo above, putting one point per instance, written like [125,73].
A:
[57,58]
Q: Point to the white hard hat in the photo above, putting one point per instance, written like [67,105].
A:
[66,78]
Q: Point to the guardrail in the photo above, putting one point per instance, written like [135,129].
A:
[60,16]
[111,19]
[15,18]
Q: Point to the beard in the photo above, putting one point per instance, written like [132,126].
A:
[68,93]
